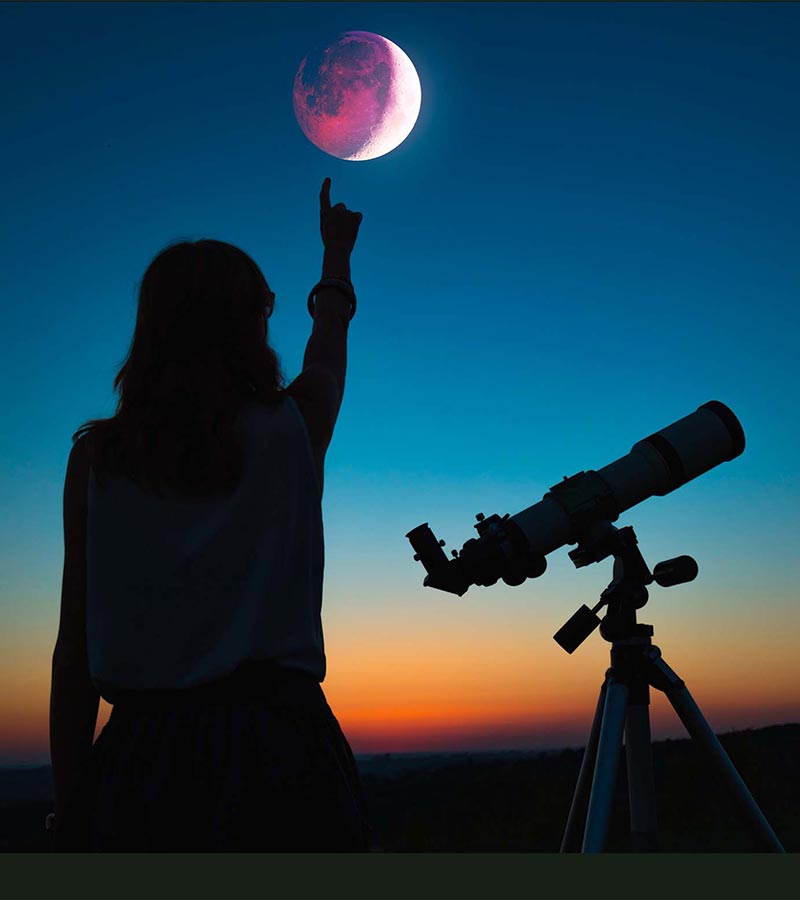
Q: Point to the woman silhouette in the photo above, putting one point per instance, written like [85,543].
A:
[193,572]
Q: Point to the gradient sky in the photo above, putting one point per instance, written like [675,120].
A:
[591,230]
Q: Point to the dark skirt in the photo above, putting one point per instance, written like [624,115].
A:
[255,762]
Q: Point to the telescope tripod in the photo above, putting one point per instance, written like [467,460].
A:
[623,704]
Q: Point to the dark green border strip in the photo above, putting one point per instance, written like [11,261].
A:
[413,876]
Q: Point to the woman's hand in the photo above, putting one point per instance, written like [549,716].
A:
[338,225]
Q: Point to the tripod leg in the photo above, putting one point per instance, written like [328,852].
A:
[689,713]
[605,770]
[571,842]
[641,784]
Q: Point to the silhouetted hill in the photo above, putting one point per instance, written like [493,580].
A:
[521,804]
[519,801]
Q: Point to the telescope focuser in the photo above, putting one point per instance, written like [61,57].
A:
[500,551]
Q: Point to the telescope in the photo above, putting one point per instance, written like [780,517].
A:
[580,510]
[514,548]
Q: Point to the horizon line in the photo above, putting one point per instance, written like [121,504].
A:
[483,751]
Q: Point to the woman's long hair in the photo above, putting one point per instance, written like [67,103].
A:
[199,351]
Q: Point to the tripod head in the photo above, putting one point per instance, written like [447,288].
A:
[627,590]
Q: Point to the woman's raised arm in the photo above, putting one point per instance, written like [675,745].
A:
[319,388]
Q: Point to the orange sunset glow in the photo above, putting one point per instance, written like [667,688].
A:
[433,682]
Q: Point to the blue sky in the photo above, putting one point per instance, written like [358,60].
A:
[591,230]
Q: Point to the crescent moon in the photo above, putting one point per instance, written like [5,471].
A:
[358,98]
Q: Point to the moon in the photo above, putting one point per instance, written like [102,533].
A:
[358,97]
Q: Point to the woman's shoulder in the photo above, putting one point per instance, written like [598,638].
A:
[81,455]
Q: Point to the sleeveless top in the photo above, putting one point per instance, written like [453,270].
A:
[181,591]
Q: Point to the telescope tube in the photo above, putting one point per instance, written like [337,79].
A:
[656,465]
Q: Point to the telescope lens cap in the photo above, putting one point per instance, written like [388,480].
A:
[733,425]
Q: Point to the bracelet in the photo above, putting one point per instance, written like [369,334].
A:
[342,284]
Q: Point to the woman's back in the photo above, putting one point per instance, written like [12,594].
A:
[182,590]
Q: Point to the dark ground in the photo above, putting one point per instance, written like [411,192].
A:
[519,802]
